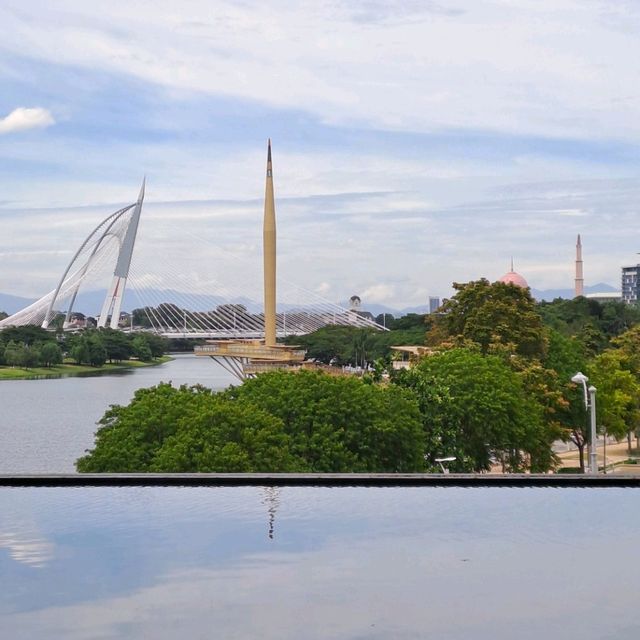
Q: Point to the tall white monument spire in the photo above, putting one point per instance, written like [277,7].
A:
[579,291]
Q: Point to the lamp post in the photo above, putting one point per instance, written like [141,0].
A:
[441,461]
[589,403]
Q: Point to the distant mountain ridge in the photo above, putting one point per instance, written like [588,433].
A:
[90,302]
[10,304]
[552,294]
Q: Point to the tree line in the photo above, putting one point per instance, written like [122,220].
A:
[496,390]
[31,346]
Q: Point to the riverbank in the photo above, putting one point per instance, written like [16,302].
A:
[69,369]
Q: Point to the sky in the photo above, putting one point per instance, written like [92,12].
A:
[415,143]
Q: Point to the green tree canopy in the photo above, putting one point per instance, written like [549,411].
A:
[50,354]
[494,316]
[618,394]
[278,422]
[477,409]
[165,429]
[28,335]
[340,424]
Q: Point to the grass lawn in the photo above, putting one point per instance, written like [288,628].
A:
[70,369]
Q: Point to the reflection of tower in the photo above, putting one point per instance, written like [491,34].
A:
[354,303]
[579,276]
[269,249]
[272,500]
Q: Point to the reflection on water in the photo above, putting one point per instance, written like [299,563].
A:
[346,563]
[271,499]
[32,551]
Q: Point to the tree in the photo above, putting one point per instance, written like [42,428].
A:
[618,395]
[442,431]
[340,424]
[29,356]
[12,355]
[493,315]
[595,323]
[141,349]
[566,356]
[331,344]
[117,345]
[21,355]
[475,408]
[28,334]
[141,317]
[50,354]
[97,350]
[157,346]
[349,345]
[409,321]
[628,346]
[227,437]
[385,319]
[165,429]
[80,351]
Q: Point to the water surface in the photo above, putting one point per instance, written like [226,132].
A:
[330,563]
[45,425]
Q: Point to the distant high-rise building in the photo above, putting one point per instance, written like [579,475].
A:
[630,284]
[579,290]
[434,304]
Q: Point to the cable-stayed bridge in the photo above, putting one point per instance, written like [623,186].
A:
[203,303]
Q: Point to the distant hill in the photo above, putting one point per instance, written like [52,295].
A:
[90,302]
[552,294]
[10,304]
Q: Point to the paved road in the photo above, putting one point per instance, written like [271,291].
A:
[616,453]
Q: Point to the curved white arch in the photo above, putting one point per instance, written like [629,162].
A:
[114,217]
[87,262]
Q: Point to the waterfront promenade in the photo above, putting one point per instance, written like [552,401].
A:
[617,454]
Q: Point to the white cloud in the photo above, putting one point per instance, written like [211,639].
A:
[22,118]
[378,293]
[369,208]
[323,289]
[552,67]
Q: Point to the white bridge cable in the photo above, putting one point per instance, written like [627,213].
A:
[196,317]
[229,313]
[309,313]
[169,318]
[197,302]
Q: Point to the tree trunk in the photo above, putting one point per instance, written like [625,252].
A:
[629,442]
[581,455]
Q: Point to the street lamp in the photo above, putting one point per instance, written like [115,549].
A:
[440,461]
[589,403]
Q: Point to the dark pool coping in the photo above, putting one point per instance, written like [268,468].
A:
[317,480]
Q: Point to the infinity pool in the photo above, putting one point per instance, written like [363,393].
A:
[311,563]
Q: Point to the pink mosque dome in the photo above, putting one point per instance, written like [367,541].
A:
[514,278]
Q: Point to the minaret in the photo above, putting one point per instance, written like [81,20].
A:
[579,279]
[269,251]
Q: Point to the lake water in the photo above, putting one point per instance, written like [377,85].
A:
[45,425]
[319,563]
